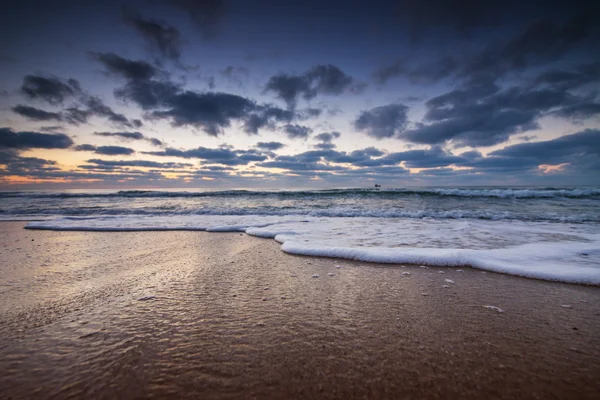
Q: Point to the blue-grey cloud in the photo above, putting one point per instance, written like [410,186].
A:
[383,122]
[206,14]
[162,38]
[50,89]
[138,163]
[124,68]
[25,140]
[130,136]
[321,79]
[36,114]
[326,140]
[271,146]
[222,155]
[106,150]
[296,131]
[481,114]
[210,111]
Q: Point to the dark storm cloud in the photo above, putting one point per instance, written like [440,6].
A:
[210,111]
[297,131]
[266,117]
[98,108]
[383,122]
[17,165]
[138,163]
[421,72]
[51,128]
[206,14]
[309,113]
[563,149]
[55,90]
[271,146]
[457,15]
[76,116]
[162,38]
[149,94]
[321,79]
[484,115]
[541,42]
[430,158]
[235,75]
[575,78]
[222,155]
[106,150]
[50,89]
[122,135]
[130,136]
[26,140]
[326,139]
[36,114]
[124,68]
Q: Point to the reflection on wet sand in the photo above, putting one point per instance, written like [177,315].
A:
[206,315]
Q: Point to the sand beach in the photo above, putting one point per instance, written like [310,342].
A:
[227,315]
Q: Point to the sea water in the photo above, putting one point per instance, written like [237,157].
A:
[545,233]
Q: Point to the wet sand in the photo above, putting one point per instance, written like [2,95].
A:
[225,315]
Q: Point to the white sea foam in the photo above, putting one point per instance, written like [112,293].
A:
[560,252]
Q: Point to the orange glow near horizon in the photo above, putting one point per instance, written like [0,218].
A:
[548,169]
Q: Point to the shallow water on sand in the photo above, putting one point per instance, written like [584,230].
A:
[199,315]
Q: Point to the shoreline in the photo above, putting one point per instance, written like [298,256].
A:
[219,315]
[549,261]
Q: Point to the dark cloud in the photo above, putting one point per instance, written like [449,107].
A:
[124,68]
[52,90]
[536,43]
[55,90]
[321,79]
[266,117]
[210,111]
[76,116]
[138,163]
[309,113]
[297,131]
[162,38]
[457,16]
[541,42]
[98,108]
[383,122]
[223,155]
[417,71]
[36,114]
[206,14]
[272,146]
[52,128]
[567,148]
[25,140]
[85,147]
[106,150]
[23,166]
[430,158]
[130,136]
[122,135]
[484,115]
[236,75]
[326,139]
[576,78]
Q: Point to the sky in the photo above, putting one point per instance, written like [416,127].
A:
[224,94]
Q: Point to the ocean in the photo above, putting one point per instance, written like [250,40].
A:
[545,233]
